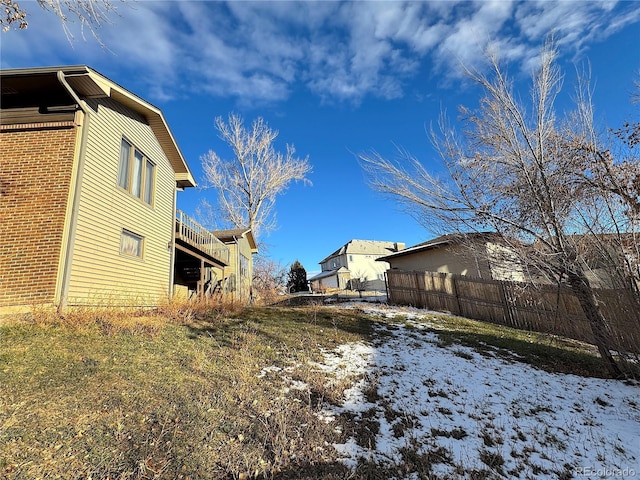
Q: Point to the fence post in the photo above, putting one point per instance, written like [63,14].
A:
[386,285]
[457,294]
[507,306]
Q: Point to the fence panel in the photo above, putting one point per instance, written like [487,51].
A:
[542,308]
[484,299]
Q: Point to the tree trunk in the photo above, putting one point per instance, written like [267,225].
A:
[584,292]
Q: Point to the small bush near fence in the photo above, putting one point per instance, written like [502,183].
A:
[541,308]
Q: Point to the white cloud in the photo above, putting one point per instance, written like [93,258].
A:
[137,40]
[471,33]
[261,51]
[141,41]
[573,24]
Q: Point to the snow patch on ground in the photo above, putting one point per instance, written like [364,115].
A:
[470,412]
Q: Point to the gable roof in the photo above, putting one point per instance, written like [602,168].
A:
[328,273]
[230,236]
[43,86]
[448,239]
[366,247]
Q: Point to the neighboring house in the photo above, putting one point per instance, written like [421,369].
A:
[236,278]
[355,260]
[450,254]
[88,180]
[611,261]
[335,279]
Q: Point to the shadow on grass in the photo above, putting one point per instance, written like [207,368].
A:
[308,471]
[366,469]
[548,353]
[280,325]
[333,470]
[290,323]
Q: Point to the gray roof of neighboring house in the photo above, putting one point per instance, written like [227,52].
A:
[449,239]
[366,247]
[328,273]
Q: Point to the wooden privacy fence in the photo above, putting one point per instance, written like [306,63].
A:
[540,308]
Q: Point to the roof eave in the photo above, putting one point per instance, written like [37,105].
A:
[238,232]
[89,83]
[157,122]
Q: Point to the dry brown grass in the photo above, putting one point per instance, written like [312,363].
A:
[111,320]
[200,309]
[177,393]
[197,391]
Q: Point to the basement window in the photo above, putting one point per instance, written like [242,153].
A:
[131,244]
[136,173]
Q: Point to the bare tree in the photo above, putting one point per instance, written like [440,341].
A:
[358,282]
[548,187]
[248,184]
[90,13]
[14,13]
[269,279]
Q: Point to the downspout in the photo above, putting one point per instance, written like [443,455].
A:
[75,202]
[172,246]
[236,269]
[478,266]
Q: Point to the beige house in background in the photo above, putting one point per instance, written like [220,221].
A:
[355,260]
[238,275]
[88,180]
[450,254]
[335,279]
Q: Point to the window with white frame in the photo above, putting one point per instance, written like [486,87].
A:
[131,244]
[136,172]
[244,266]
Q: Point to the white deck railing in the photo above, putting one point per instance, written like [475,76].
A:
[195,235]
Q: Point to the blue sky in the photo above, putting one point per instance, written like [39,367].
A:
[335,79]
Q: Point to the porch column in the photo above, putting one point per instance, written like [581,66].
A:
[201,282]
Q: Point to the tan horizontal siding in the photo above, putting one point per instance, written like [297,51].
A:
[99,272]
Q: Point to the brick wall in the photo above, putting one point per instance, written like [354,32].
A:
[35,172]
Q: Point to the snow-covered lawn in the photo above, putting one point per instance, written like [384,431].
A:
[461,414]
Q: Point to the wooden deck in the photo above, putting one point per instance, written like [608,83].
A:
[191,234]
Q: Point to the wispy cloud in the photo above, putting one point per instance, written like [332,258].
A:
[340,51]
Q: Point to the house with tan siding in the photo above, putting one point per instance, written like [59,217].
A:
[486,258]
[238,275]
[89,174]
